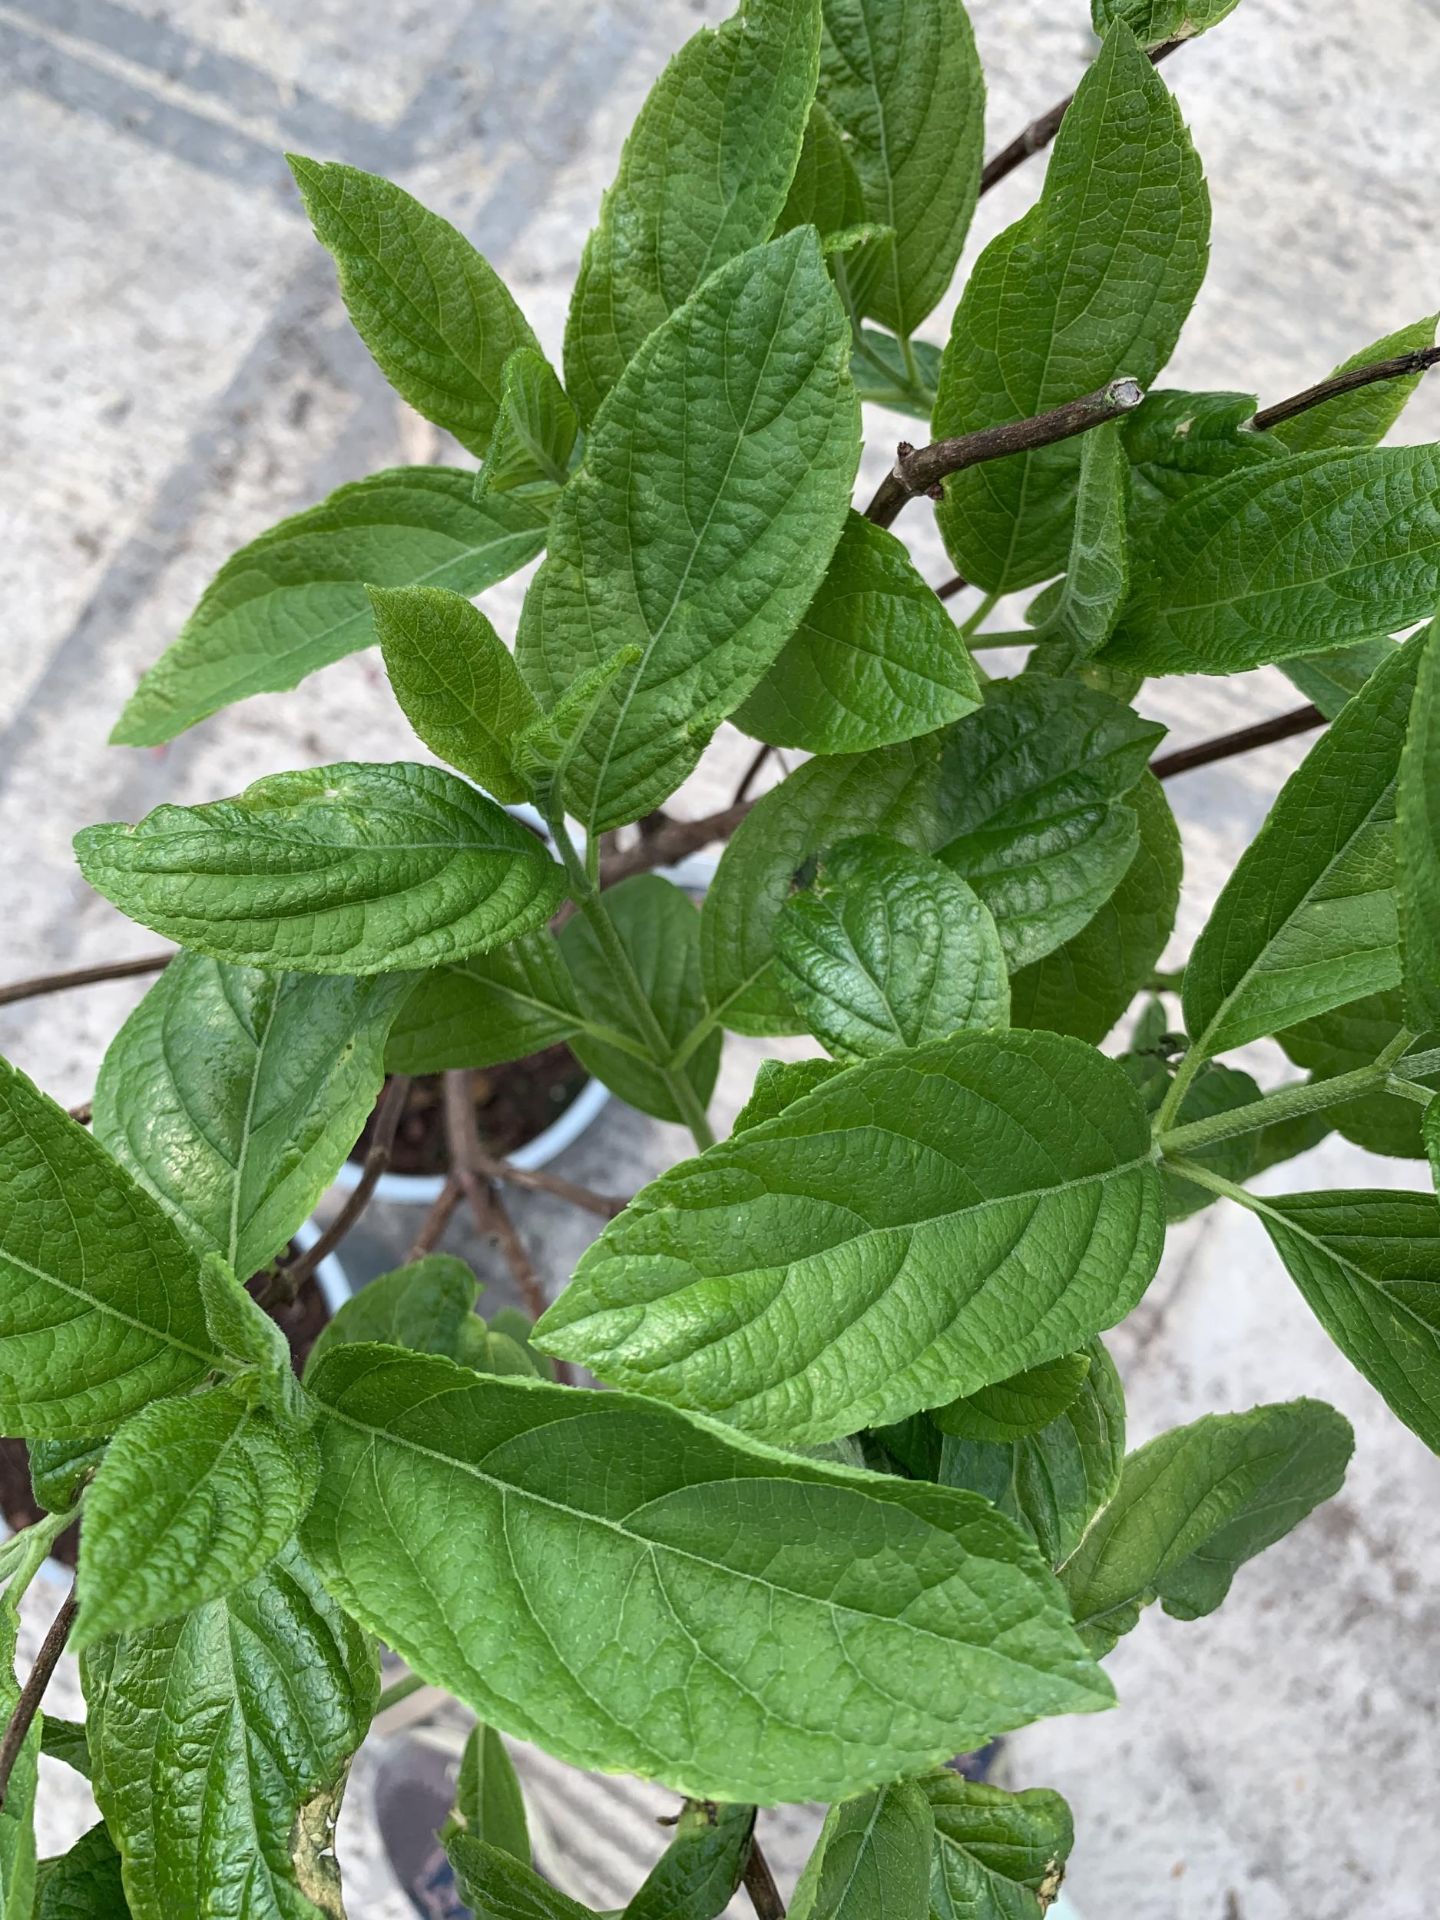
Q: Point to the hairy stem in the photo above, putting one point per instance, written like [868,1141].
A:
[83,977]
[1285,726]
[1290,1103]
[1402,366]
[28,1705]
[1040,132]
[288,1278]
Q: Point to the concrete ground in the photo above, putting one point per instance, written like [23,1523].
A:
[181,374]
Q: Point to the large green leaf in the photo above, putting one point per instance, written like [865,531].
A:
[1156,20]
[1094,282]
[346,869]
[495,1006]
[826,192]
[100,1306]
[1034,791]
[888,948]
[659,929]
[1283,559]
[1417,844]
[193,1498]
[1355,1036]
[1307,921]
[83,1884]
[1085,986]
[914,1228]
[1364,417]
[1195,1505]
[905,87]
[704,176]
[697,1875]
[455,679]
[234,1096]
[740,412]
[221,1744]
[872,1859]
[875,659]
[893,791]
[434,312]
[1024,1404]
[1369,1266]
[755,1626]
[427,1306]
[294,599]
[998,1856]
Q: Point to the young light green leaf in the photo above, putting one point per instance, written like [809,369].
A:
[872,1860]
[100,1307]
[490,1008]
[426,1306]
[497,1886]
[535,431]
[704,176]
[1332,679]
[346,869]
[698,1552]
[755,1285]
[489,1802]
[1369,1266]
[193,1498]
[83,1884]
[1284,559]
[1014,1409]
[826,192]
[294,600]
[888,948]
[233,1096]
[1093,283]
[1034,789]
[225,1737]
[252,1344]
[1097,578]
[699,1872]
[905,87]
[894,791]
[1195,1505]
[659,929]
[1353,1036]
[876,658]
[58,1470]
[1307,920]
[1364,417]
[740,412]
[1154,21]
[434,313]
[998,1856]
[455,679]
[1417,843]
[1085,986]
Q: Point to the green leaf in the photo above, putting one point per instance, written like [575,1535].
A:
[1352,1036]
[1093,283]
[499,1887]
[704,176]
[872,1860]
[252,1343]
[1307,920]
[1332,679]
[1417,843]
[1154,21]
[497,1006]
[826,192]
[535,431]
[1362,418]
[100,1306]
[1179,442]
[294,600]
[193,1498]
[1014,1409]
[1034,790]
[434,312]
[998,1856]
[221,1744]
[67,1742]
[659,929]
[998,1206]
[1087,984]
[455,679]
[1369,1266]
[426,1306]
[888,948]
[1214,1090]
[83,1884]
[489,1803]
[233,1096]
[1195,1505]
[893,791]
[881,375]
[346,869]
[875,659]
[699,1872]
[740,412]
[778,1083]
[1097,578]
[58,1469]
[1287,558]
[905,87]
[913,1618]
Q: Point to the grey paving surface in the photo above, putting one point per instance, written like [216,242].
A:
[181,374]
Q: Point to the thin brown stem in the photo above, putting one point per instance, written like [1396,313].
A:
[672,842]
[462,1134]
[436,1220]
[924,469]
[952,587]
[83,977]
[536,1180]
[751,774]
[759,1883]
[1040,132]
[84,1113]
[287,1279]
[1226,745]
[28,1705]
[1403,366]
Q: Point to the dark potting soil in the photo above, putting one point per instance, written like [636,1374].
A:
[513,1104]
